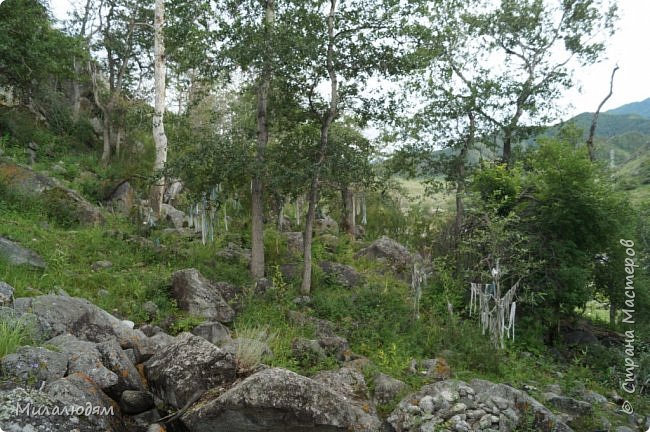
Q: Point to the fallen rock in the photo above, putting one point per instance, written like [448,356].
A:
[326,225]
[173,215]
[341,274]
[295,243]
[481,405]
[351,384]
[290,271]
[151,309]
[437,368]
[80,391]
[34,365]
[18,255]
[145,422]
[187,366]
[593,398]
[336,346]
[51,414]
[25,181]
[307,351]
[122,198]
[199,296]
[84,357]
[6,293]
[101,265]
[136,402]
[390,252]
[235,253]
[214,332]
[277,400]
[171,192]
[57,315]
[119,363]
[323,327]
[387,388]
[573,407]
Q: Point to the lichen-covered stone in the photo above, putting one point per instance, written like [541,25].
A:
[200,297]
[277,400]
[34,365]
[188,365]
[84,357]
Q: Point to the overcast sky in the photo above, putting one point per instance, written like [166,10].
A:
[625,49]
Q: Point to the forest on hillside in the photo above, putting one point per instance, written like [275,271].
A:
[424,122]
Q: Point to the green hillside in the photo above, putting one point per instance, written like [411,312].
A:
[641,108]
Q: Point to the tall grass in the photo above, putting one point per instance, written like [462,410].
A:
[14,331]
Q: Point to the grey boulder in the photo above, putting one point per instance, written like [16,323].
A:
[198,296]
[84,357]
[341,274]
[186,367]
[277,400]
[6,293]
[18,255]
[35,365]
[387,388]
[214,332]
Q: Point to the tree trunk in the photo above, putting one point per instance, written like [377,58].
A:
[460,180]
[305,287]
[106,154]
[594,120]
[76,91]
[159,136]
[612,314]
[348,221]
[257,190]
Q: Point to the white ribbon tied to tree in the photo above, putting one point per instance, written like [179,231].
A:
[497,314]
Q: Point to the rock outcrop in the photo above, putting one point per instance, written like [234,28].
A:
[391,253]
[277,400]
[26,181]
[341,274]
[188,366]
[200,297]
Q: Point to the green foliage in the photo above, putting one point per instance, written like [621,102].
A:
[185,324]
[32,51]
[15,331]
[498,186]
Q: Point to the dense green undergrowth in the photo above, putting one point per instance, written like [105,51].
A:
[378,318]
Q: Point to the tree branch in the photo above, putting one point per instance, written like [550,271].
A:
[594,120]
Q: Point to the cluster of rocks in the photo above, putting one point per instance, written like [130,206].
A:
[93,364]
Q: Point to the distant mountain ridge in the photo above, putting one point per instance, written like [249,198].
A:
[641,108]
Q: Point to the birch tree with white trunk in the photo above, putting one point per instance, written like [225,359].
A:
[159,136]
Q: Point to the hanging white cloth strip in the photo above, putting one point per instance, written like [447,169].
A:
[493,311]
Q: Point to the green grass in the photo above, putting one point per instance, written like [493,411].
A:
[377,318]
[416,190]
[14,332]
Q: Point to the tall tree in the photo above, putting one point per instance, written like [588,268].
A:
[124,44]
[538,42]
[327,121]
[357,42]
[159,136]
[257,190]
